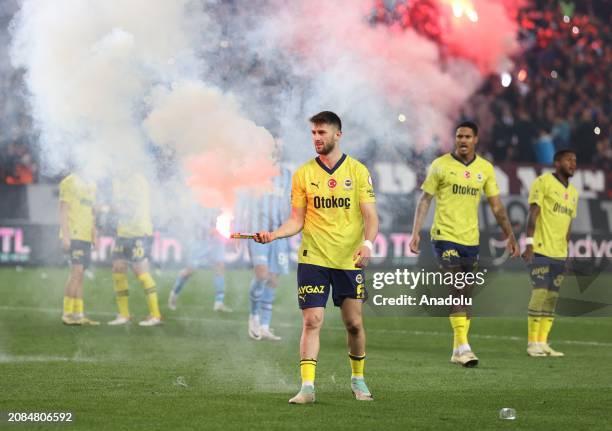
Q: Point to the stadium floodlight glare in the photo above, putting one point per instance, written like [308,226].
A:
[506,79]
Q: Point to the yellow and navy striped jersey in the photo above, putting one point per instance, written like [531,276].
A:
[457,188]
[80,196]
[333,225]
[132,200]
[558,205]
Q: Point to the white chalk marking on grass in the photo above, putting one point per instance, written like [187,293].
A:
[9,359]
[333,328]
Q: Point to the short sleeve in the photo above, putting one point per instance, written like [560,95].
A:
[432,181]
[366,187]
[298,191]
[491,188]
[65,190]
[575,208]
[536,194]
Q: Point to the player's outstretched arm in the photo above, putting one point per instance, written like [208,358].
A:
[504,222]
[532,217]
[419,217]
[370,222]
[293,225]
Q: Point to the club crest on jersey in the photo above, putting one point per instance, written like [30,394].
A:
[348,184]
[479,177]
[359,278]
[467,175]
[332,183]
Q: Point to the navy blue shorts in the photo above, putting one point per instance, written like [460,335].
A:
[315,282]
[80,253]
[132,249]
[546,273]
[456,256]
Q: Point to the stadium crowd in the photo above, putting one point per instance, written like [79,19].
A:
[559,96]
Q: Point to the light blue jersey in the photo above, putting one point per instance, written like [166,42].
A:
[267,212]
[206,246]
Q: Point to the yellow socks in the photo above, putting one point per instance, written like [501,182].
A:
[545,325]
[460,325]
[78,306]
[68,305]
[541,314]
[121,290]
[148,284]
[357,365]
[307,371]
[533,328]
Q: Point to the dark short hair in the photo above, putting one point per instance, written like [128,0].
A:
[470,125]
[327,117]
[559,154]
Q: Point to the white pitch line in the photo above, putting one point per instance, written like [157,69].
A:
[334,328]
[7,359]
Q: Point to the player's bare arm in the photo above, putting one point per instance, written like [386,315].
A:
[532,217]
[419,217]
[370,221]
[64,210]
[293,225]
[504,222]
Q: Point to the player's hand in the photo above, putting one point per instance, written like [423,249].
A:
[362,256]
[264,237]
[528,254]
[414,242]
[66,245]
[513,247]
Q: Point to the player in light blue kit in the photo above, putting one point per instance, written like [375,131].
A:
[206,248]
[255,214]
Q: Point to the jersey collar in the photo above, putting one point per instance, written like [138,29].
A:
[559,179]
[461,161]
[336,166]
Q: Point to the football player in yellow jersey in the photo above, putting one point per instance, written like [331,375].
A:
[553,202]
[334,205]
[132,203]
[457,181]
[77,197]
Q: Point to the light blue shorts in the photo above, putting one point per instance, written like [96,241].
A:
[274,255]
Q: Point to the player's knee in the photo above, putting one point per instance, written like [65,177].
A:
[312,322]
[261,272]
[354,326]
[77,271]
[119,266]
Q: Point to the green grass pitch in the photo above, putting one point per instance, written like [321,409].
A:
[201,371]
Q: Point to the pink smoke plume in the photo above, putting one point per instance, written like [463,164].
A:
[482,31]
[219,148]
[369,71]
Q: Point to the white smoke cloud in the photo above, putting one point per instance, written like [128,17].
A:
[107,79]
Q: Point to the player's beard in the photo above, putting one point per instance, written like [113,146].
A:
[567,173]
[328,147]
